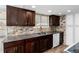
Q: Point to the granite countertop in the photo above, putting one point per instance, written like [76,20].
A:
[26,36]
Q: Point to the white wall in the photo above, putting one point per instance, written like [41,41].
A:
[69,29]
[3,31]
[76,28]
[72,28]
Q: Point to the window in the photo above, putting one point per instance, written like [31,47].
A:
[42,20]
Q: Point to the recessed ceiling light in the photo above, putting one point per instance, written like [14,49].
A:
[68,10]
[33,6]
[49,11]
[60,13]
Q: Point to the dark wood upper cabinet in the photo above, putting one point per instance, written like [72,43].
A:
[12,16]
[20,17]
[31,18]
[54,20]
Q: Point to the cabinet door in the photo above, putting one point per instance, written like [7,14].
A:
[57,22]
[36,45]
[20,48]
[49,41]
[11,49]
[30,18]
[33,18]
[29,46]
[43,44]
[32,45]
[11,16]
[50,20]
[54,20]
[61,38]
[22,18]
[15,49]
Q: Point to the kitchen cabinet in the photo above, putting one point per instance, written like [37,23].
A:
[20,17]
[39,44]
[61,38]
[35,44]
[43,44]
[14,47]
[46,43]
[49,41]
[31,45]
[12,16]
[30,18]
[54,20]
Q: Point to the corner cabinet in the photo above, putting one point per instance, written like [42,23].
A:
[54,20]
[20,17]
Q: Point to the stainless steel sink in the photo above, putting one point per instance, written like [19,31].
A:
[42,33]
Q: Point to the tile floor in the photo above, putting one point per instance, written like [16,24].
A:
[59,49]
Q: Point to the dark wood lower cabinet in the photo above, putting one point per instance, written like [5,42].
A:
[46,42]
[61,38]
[49,42]
[29,47]
[11,49]
[32,45]
[14,47]
[43,44]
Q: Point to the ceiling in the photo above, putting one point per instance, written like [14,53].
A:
[56,9]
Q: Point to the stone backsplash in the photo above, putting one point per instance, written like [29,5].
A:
[18,30]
